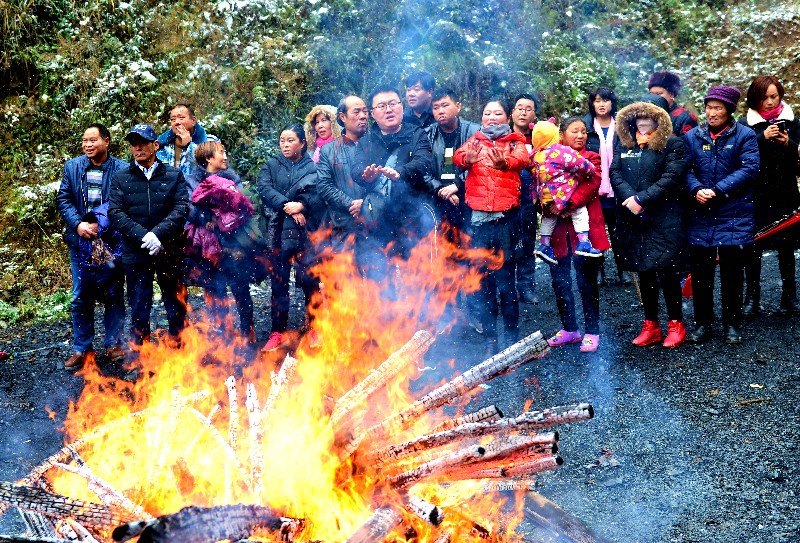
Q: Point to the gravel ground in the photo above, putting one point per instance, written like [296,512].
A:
[699,444]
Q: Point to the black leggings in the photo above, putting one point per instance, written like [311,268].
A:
[670,283]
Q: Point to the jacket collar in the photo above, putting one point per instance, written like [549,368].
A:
[754,117]
[703,131]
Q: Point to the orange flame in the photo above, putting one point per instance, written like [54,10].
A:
[172,439]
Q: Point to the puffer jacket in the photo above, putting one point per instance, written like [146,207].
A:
[281,181]
[586,195]
[656,238]
[559,169]
[683,120]
[414,159]
[335,182]
[775,192]
[159,205]
[490,189]
[730,166]
[72,196]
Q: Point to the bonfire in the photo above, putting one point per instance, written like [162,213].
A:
[326,444]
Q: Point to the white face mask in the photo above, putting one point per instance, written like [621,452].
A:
[645,126]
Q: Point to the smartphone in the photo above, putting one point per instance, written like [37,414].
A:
[781,125]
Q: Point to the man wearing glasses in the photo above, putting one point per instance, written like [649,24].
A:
[391,162]
[522,117]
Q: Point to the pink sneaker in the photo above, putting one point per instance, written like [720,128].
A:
[274,341]
[563,337]
[590,343]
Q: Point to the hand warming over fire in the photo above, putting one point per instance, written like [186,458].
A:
[371,173]
[497,158]
[472,152]
[299,218]
[292,208]
[355,207]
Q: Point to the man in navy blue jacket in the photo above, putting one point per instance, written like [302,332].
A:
[148,204]
[85,184]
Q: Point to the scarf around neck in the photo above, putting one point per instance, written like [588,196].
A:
[772,114]
[606,156]
[318,144]
[643,139]
[496,131]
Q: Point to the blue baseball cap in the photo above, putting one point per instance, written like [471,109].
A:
[144,131]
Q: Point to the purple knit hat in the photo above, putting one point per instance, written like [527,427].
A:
[729,95]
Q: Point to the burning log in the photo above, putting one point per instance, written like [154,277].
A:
[229,453]
[233,406]
[525,350]
[49,504]
[359,395]
[435,466]
[209,422]
[541,511]
[256,438]
[377,527]
[81,532]
[38,525]
[539,420]
[430,513]
[482,415]
[107,494]
[513,447]
[202,525]
[280,382]
[528,484]
[444,538]
[23,539]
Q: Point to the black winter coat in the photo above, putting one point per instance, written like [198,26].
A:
[656,238]
[159,205]
[404,207]
[335,183]
[281,181]
[775,192]
[592,137]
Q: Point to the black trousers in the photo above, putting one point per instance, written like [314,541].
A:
[168,271]
[526,261]
[280,273]
[731,274]
[586,277]
[670,283]
[500,235]
[786,266]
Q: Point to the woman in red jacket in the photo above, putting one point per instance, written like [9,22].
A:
[493,158]
[565,240]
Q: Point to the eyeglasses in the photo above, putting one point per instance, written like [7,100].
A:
[523,109]
[386,105]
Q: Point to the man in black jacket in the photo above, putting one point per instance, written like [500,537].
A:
[419,91]
[148,204]
[341,194]
[447,134]
[391,162]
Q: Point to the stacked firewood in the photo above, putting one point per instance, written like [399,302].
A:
[503,452]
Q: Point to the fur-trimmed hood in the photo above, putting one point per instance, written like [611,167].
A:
[626,127]
[754,117]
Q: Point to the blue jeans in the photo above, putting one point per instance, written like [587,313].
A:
[84,296]
[140,278]
[586,277]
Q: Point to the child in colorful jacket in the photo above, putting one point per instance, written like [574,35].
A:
[558,169]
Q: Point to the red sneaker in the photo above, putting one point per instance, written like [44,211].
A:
[676,334]
[273,343]
[651,333]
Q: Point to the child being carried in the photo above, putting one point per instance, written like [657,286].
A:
[558,170]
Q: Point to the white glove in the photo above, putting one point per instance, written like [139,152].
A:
[151,243]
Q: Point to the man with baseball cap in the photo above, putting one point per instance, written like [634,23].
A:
[149,203]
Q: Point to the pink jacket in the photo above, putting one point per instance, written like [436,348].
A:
[220,195]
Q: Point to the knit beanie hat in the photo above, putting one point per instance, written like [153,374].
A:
[729,95]
[545,134]
[667,80]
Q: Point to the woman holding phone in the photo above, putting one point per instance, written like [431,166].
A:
[775,193]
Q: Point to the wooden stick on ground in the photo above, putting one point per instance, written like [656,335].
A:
[54,505]
[256,439]
[486,414]
[437,465]
[280,383]
[233,406]
[359,395]
[549,516]
[505,361]
[377,527]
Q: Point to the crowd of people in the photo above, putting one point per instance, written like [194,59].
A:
[669,197]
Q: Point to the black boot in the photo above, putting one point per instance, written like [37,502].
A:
[789,302]
[752,301]
[786,265]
